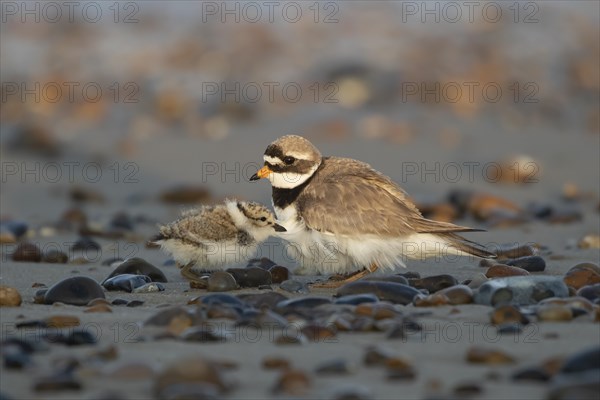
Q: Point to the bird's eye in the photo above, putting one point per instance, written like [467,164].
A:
[289,160]
[263,219]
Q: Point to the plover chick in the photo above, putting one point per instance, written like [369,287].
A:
[341,215]
[212,237]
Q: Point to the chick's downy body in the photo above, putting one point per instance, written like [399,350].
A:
[212,237]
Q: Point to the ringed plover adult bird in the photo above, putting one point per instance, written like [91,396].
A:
[341,215]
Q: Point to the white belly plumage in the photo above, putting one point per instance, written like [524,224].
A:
[326,253]
[213,256]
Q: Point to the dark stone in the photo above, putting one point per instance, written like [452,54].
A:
[529,263]
[202,334]
[135,303]
[80,337]
[294,286]
[78,291]
[590,292]
[55,257]
[251,277]
[27,252]
[535,374]
[119,302]
[356,299]
[221,281]
[85,243]
[125,282]
[434,283]
[520,290]
[139,266]
[514,250]
[279,273]
[258,301]
[386,291]
[386,278]
[588,359]
[17,228]
[302,302]
[58,382]
[221,298]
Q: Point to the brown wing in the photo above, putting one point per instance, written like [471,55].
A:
[346,197]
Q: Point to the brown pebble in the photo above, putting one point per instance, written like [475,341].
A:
[316,333]
[9,297]
[459,294]
[574,302]
[62,321]
[501,270]
[97,301]
[478,355]
[380,310]
[132,371]
[276,363]
[514,250]
[433,300]
[190,370]
[554,313]
[279,273]
[508,315]
[484,206]
[589,242]
[582,275]
[292,383]
[291,338]
[399,369]
[98,308]
[377,355]
[27,252]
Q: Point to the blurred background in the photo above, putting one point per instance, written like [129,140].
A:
[116,106]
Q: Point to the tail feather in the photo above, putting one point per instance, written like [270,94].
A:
[467,246]
[430,226]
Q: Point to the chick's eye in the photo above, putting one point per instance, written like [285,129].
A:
[263,219]
[289,160]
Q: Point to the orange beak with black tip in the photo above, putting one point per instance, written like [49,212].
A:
[262,173]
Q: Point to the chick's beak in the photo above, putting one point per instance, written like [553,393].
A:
[279,228]
[262,173]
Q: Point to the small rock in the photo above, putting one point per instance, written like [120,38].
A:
[27,252]
[218,298]
[175,320]
[190,371]
[294,286]
[85,244]
[351,392]
[501,270]
[386,291]
[134,303]
[582,274]
[589,242]
[55,257]
[78,291]
[386,278]
[151,287]
[132,371]
[514,250]
[202,334]
[260,300]
[458,294]
[529,263]
[554,313]
[316,333]
[484,206]
[477,280]
[9,297]
[377,311]
[17,228]
[377,355]
[126,282]
[434,283]
[590,292]
[286,339]
[584,360]
[62,321]
[98,308]
[463,390]
[251,277]
[478,355]
[508,315]
[276,363]
[433,300]
[399,369]
[356,299]
[79,337]
[292,383]
[520,290]
[221,281]
[535,374]
[139,266]
[339,366]
[300,303]
[279,273]
[58,382]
